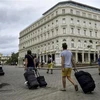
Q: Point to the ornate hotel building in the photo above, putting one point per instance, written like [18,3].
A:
[74,23]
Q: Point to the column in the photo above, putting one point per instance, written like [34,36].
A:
[40,58]
[57,59]
[43,56]
[82,57]
[47,57]
[89,57]
[94,56]
[76,57]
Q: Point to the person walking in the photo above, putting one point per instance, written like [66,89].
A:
[42,63]
[50,64]
[99,64]
[67,62]
[36,61]
[30,63]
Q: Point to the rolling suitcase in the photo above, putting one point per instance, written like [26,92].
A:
[1,71]
[41,80]
[85,80]
[31,80]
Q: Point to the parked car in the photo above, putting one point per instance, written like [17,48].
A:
[14,63]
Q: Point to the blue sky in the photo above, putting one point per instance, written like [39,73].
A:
[15,15]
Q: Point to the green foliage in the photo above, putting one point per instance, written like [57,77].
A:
[13,58]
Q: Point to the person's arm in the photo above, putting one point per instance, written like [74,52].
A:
[73,62]
[34,60]
[26,63]
[62,63]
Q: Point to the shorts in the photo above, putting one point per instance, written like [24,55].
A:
[50,65]
[67,72]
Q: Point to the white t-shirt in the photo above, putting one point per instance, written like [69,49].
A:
[67,56]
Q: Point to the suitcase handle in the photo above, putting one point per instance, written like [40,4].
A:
[36,72]
[75,70]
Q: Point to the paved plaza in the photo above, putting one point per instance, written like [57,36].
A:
[16,90]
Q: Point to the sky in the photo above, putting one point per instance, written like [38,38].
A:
[16,15]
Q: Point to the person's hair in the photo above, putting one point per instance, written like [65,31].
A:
[64,45]
[49,55]
[29,52]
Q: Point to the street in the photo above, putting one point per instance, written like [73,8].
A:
[16,90]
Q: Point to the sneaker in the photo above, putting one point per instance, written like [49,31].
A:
[63,89]
[76,87]
[25,83]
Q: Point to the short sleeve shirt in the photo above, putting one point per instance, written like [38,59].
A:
[67,56]
[30,60]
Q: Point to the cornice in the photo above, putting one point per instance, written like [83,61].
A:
[74,4]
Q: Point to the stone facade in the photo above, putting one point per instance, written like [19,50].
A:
[71,22]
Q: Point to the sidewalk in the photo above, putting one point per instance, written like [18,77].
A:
[59,68]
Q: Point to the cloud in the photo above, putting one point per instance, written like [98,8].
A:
[16,15]
[12,21]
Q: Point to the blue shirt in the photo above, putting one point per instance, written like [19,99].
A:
[67,56]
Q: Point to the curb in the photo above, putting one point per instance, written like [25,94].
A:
[77,68]
[60,68]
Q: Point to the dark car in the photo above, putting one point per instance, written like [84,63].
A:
[13,63]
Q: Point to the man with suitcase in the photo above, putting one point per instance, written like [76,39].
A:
[67,62]
[29,61]
[29,67]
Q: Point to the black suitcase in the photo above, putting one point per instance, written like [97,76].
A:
[1,71]
[31,80]
[41,80]
[85,80]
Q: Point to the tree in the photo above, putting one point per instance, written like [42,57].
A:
[13,59]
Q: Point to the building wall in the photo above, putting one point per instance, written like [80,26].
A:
[72,24]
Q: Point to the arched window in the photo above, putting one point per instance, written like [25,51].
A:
[64,40]
[57,41]
[72,43]
[85,44]
[71,11]
[79,43]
